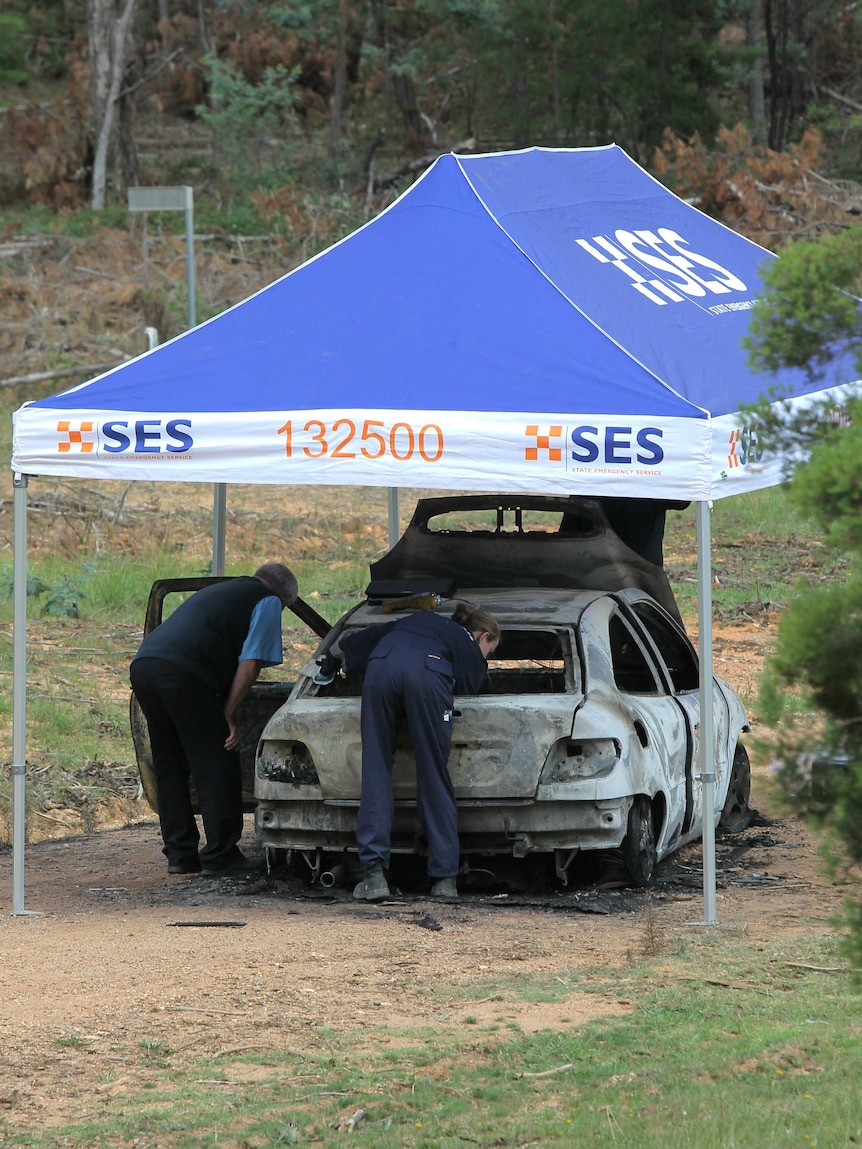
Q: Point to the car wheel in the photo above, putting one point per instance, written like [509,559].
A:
[639,845]
[736,813]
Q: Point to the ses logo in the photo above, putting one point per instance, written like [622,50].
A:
[743,449]
[163,438]
[624,447]
[682,273]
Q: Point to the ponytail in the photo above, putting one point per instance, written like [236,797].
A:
[476,621]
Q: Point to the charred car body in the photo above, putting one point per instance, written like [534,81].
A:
[586,738]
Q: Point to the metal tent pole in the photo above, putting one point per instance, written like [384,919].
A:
[706,752]
[19,690]
[394,518]
[219,517]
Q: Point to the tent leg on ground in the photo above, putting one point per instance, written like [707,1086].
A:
[19,692]
[706,762]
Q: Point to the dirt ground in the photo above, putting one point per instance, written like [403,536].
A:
[116,960]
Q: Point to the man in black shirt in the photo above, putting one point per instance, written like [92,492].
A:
[190,675]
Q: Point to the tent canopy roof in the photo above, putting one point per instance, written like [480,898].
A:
[548,320]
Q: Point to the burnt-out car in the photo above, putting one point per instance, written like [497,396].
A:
[587,735]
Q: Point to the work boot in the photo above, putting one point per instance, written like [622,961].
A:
[373,887]
[444,888]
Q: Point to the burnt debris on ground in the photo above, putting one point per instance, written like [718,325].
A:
[599,886]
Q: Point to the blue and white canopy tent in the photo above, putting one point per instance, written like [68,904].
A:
[550,321]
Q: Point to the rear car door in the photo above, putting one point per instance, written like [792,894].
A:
[627,700]
[679,666]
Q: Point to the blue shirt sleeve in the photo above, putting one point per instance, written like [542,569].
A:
[263,641]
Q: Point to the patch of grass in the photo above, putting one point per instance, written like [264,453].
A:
[737,1047]
[761,546]
[73,1041]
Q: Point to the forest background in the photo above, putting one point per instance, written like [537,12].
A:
[294,122]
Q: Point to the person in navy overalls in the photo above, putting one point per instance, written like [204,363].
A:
[413,671]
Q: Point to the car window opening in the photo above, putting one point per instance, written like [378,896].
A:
[632,672]
[511,521]
[528,662]
[674,648]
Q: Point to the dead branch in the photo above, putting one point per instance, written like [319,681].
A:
[294,1050]
[727,984]
[240,1049]
[548,1072]
[818,968]
[49,818]
[348,1121]
[93,271]
[386,179]
[841,99]
[165,62]
[204,1009]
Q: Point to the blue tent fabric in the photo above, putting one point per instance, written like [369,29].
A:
[670,284]
[550,320]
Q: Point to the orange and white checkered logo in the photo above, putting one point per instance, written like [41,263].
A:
[733,459]
[542,448]
[74,440]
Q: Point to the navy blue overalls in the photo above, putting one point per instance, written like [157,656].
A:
[413,672]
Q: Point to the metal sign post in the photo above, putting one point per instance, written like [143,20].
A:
[173,199]
[182,199]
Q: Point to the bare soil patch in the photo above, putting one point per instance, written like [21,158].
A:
[121,964]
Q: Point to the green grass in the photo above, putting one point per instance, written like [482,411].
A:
[735,1047]
[762,546]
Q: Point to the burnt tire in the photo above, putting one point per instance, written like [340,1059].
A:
[736,814]
[639,850]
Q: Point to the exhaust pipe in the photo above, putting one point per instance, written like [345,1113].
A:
[334,876]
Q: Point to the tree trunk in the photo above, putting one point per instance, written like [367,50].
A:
[130,167]
[404,91]
[340,78]
[756,102]
[205,32]
[109,36]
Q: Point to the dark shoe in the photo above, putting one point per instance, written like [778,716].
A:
[238,868]
[322,678]
[444,888]
[193,866]
[373,887]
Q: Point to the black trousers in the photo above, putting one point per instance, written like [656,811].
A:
[187,734]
